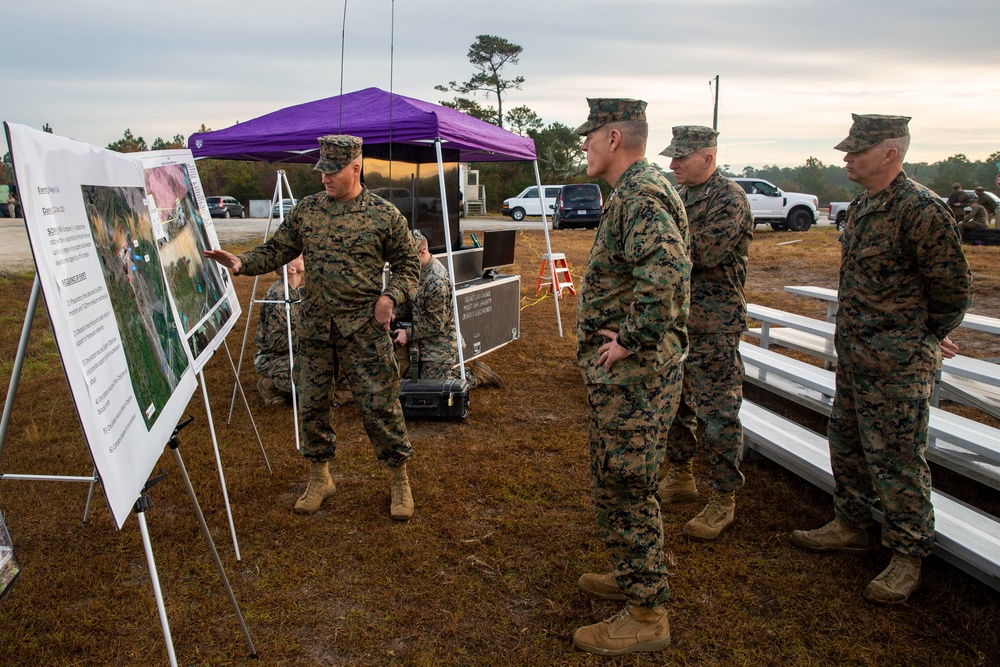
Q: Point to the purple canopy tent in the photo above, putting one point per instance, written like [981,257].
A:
[289,134]
[379,118]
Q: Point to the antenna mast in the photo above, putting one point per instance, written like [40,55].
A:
[715,114]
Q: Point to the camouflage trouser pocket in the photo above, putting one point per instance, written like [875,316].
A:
[907,391]
[623,443]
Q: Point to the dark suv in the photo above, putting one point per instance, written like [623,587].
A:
[578,205]
[225,207]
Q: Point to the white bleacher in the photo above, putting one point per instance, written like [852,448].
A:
[966,537]
[971,381]
[957,443]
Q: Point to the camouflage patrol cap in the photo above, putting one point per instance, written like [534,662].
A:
[871,129]
[336,151]
[419,240]
[689,138]
[979,188]
[611,110]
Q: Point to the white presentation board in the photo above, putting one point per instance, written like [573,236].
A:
[129,371]
[202,290]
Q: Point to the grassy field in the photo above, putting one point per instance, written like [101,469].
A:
[485,573]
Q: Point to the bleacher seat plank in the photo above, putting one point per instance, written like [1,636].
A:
[814,337]
[829,296]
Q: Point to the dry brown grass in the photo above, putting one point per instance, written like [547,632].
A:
[485,573]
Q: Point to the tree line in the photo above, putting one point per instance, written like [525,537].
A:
[560,160]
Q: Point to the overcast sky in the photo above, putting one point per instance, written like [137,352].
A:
[791,71]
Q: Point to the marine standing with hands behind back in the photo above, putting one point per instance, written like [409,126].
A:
[904,286]
[632,340]
[721,227]
[345,234]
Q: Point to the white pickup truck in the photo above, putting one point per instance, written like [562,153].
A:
[838,213]
[782,210]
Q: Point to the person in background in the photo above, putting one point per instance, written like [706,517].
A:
[433,326]
[986,201]
[721,227]
[977,218]
[11,205]
[958,200]
[904,286]
[346,236]
[633,305]
[272,361]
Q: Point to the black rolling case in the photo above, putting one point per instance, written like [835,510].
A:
[430,398]
[434,399]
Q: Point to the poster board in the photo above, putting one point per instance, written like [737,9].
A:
[202,290]
[128,369]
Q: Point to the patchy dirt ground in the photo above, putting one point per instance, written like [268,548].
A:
[485,573]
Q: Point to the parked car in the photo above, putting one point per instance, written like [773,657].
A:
[285,206]
[578,204]
[225,207]
[838,213]
[782,210]
[527,202]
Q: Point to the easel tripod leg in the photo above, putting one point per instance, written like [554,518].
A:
[22,350]
[246,404]
[164,623]
[218,462]
[211,547]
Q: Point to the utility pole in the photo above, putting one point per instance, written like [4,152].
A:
[715,114]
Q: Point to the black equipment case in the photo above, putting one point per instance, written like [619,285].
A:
[429,398]
[981,236]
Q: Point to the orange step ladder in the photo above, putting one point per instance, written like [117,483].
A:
[562,279]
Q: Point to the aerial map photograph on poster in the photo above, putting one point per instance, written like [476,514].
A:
[184,231]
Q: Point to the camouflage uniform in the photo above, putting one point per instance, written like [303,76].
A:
[345,245]
[272,359]
[433,331]
[986,202]
[904,286]
[721,228]
[978,218]
[958,200]
[636,283]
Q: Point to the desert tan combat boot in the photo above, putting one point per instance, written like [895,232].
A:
[677,484]
[603,586]
[269,394]
[320,488]
[401,506]
[834,536]
[897,582]
[717,515]
[487,376]
[634,628]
